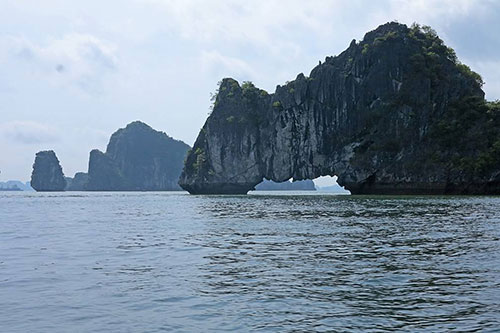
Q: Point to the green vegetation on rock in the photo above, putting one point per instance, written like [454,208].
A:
[395,113]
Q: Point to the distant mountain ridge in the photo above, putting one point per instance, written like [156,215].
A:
[16,183]
[299,185]
[137,158]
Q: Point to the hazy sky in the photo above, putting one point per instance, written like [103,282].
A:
[73,72]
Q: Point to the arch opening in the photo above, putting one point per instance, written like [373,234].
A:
[329,184]
[287,185]
[322,184]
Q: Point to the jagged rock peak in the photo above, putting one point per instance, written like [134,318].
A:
[47,173]
[137,158]
[395,113]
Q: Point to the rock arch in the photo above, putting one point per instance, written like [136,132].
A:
[369,115]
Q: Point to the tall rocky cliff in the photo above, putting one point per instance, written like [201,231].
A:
[395,113]
[137,158]
[47,173]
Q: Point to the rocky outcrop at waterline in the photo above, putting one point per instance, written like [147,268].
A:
[137,158]
[395,113]
[47,173]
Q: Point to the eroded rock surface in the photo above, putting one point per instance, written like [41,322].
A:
[47,173]
[137,158]
[78,182]
[396,113]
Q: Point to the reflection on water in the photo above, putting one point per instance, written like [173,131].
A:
[269,262]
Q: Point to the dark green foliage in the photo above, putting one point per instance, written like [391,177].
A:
[197,159]
[200,160]
[467,137]
[366,48]
[470,73]
[251,94]
[213,97]
[434,52]
[414,115]
[248,85]
[391,35]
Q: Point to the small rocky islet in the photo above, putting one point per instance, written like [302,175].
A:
[47,173]
[395,113]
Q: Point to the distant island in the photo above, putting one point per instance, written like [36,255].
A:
[137,158]
[14,188]
[332,189]
[15,185]
[300,185]
[395,113]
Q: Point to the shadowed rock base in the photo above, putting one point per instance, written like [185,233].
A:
[424,189]
[367,189]
[222,188]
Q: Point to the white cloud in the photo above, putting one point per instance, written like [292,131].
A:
[436,8]
[256,20]
[289,32]
[28,132]
[77,60]
[251,22]
[224,65]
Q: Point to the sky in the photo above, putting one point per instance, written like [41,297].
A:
[73,72]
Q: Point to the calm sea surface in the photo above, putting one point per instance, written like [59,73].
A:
[153,262]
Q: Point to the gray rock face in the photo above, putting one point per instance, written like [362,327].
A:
[393,114]
[137,158]
[47,173]
[77,183]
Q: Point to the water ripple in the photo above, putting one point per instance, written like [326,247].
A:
[115,262]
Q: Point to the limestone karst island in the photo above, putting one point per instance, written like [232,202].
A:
[250,166]
[396,113]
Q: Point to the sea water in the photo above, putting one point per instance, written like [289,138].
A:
[270,262]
